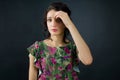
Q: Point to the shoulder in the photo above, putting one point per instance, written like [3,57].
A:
[33,46]
[46,41]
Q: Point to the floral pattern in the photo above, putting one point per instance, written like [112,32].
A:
[55,63]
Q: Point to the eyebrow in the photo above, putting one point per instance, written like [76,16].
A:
[50,17]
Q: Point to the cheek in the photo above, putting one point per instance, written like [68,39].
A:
[48,26]
[48,29]
[62,27]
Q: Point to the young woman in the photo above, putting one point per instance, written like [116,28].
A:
[56,57]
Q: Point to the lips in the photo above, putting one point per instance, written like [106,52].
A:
[54,30]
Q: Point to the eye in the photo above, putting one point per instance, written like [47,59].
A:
[58,20]
[49,20]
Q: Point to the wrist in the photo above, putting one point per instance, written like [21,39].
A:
[70,26]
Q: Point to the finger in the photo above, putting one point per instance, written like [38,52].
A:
[58,19]
[57,15]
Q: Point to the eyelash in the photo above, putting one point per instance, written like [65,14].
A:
[49,20]
[57,20]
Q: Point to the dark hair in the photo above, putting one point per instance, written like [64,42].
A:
[57,6]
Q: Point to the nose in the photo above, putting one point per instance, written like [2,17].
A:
[53,23]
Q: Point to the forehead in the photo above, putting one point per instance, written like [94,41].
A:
[51,13]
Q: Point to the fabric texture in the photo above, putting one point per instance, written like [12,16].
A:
[55,63]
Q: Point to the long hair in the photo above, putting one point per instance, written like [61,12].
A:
[57,6]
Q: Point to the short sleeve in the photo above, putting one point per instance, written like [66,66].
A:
[33,49]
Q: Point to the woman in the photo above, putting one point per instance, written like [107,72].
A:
[56,57]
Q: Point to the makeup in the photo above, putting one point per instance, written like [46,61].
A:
[54,30]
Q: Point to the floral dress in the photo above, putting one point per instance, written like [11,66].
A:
[55,63]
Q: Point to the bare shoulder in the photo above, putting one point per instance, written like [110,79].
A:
[46,41]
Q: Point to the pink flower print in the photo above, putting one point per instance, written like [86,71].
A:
[60,68]
[37,63]
[76,78]
[47,72]
[43,63]
[43,60]
[51,68]
[74,74]
[53,60]
[52,50]
[69,67]
[66,57]
[67,50]
[66,78]
[58,76]
[36,46]
[41,52]
[42,77]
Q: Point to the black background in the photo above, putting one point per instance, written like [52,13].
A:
[97,21]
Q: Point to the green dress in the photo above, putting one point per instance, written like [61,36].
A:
[55,63]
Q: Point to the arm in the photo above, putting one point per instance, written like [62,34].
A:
[32,69]
[83,50]
[84,53]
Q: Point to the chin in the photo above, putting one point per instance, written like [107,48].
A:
[55,33]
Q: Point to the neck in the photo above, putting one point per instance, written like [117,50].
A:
[57,40]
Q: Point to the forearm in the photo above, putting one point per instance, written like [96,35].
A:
[84,53]
[32,69]
[32,74]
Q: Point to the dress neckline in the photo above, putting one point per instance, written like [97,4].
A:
[56,46]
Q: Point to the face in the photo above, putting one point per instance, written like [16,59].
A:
[55,25]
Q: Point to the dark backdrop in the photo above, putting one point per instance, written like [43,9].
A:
[97,20]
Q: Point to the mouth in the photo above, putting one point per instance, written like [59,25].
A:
[54,30]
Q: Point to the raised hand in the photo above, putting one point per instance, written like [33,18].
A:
[64,17]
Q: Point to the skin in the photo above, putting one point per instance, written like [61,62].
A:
[59,20]
[32,69]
